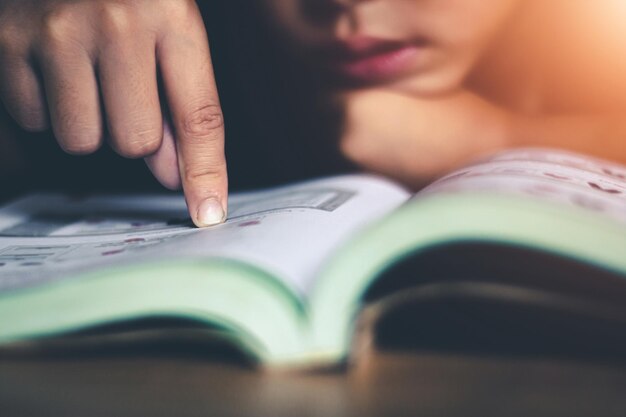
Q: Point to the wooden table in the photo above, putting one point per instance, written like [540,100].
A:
[382,384]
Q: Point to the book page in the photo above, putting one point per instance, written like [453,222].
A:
[552,175]
[287,231]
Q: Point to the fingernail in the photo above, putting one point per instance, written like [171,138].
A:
[211,212]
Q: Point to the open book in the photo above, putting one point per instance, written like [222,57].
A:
[287,276]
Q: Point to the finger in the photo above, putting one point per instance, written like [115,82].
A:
[73,100]
[22,94]
[192,96]
[164,162]
[128,82]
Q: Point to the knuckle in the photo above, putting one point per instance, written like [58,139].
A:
[30,114]
[116,19]
[203,122]
[77,138]
[203,173]
[140,144]
[59,27]
[80,147]
[31,120]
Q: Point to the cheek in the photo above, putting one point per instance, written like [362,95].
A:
[445,76]
[458,33]
[470,25]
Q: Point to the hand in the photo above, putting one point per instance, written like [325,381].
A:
[81,65]
[416,139]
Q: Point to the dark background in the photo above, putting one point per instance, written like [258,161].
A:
[279,127]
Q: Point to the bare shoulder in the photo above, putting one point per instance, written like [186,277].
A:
[560,55]
[585,56]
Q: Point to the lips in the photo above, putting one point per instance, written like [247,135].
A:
[370,59]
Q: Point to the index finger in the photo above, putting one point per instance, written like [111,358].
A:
[198,123]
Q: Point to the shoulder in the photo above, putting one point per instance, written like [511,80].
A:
[560,55]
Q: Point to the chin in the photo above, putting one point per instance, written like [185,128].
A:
[432,82]
[428,86]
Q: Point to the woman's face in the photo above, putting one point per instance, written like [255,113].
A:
[419,46]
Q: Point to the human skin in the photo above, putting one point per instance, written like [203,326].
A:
[450,36]
[429,85]
[425,84]
[87,67]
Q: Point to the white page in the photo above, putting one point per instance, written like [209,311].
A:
[556,176]
[288,231]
